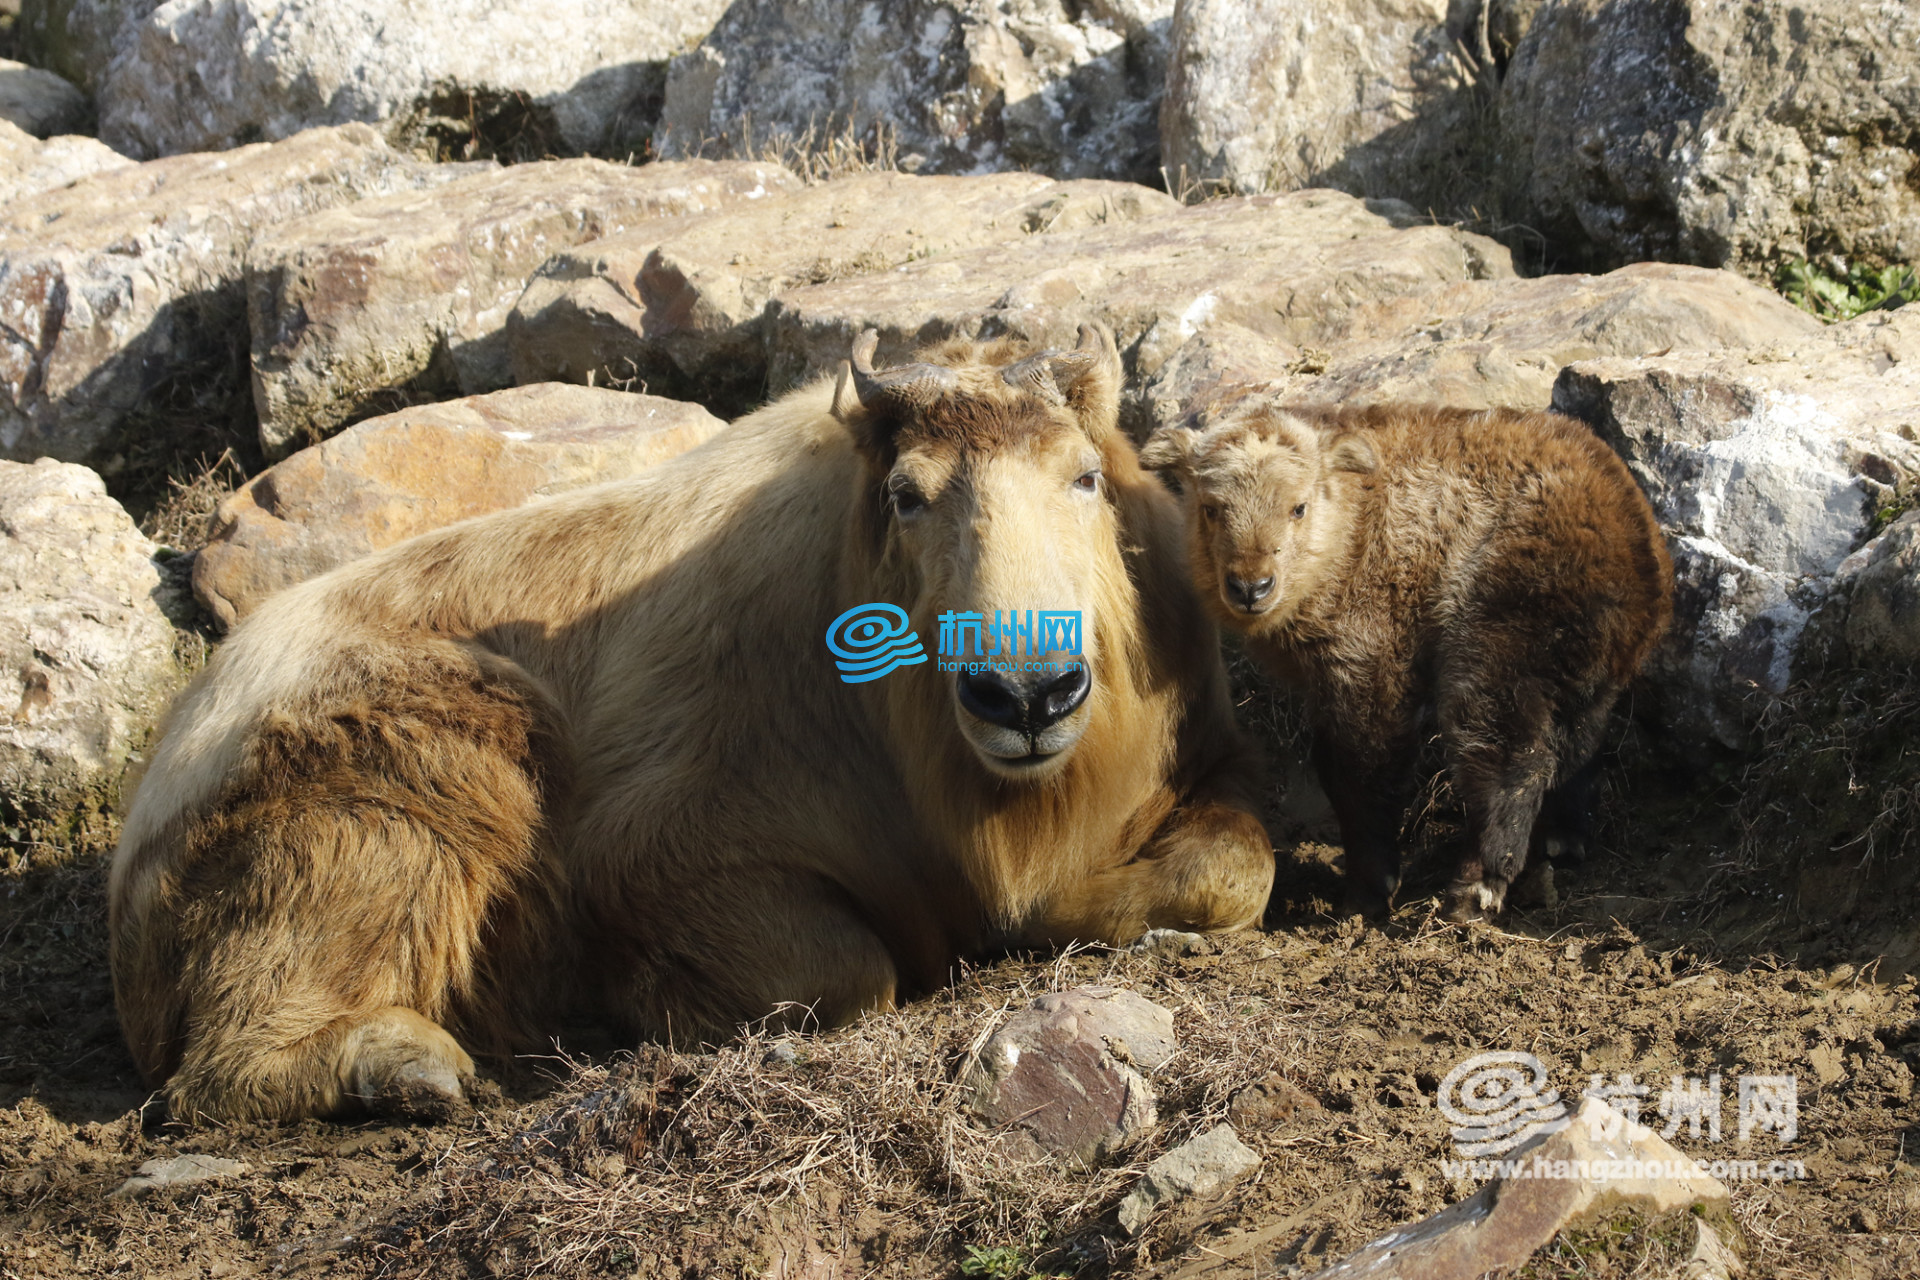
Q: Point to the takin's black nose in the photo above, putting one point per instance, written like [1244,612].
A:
[1248,594]
[1024,708]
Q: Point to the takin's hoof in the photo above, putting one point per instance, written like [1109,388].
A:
[1565,850]
[402,1066]
[1473,902]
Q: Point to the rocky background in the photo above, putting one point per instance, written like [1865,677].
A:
[284,281]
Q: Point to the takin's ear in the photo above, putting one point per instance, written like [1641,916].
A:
[1095,391]
[1086,379]
[1168,449]
[1351,451]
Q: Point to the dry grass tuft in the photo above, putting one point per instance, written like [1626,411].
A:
[182,518]
[821,152]
[765,1141]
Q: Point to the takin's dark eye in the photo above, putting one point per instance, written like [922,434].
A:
[905,499]
[1210,511]
[1299,511]
[1089,482]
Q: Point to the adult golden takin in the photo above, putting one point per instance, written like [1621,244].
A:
[594,756]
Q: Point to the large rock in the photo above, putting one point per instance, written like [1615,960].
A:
[1478,344]
[413,291]
[1293,269]
[521,77]
[964,86]
[77,38]
[1365,95]
[86,648]
[681,305]
[40,102]
[1767,469]
[1503,343]
[1070,1071]
[1717,132]
[29,166]
[389,478]
[1602,1163]
[115,284]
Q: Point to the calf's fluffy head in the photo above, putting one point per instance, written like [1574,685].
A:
[1270,505]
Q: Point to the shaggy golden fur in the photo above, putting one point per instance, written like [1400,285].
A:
[1498,567]
[592,755]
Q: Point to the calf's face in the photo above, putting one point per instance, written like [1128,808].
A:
[1268,508]
[995,510]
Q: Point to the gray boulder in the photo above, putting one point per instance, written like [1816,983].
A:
[40,102]
[1369,96]
[515,76]
[1768,469]
[412,291]
[965,86]
[87,657]
[1478,343]
[130,277]
[1481,344]
[1876,609]
[680,305]
[1716,132]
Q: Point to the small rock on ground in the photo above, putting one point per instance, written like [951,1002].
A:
[1198,1169]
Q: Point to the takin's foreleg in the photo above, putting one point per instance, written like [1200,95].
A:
[369,877]
[1207,865]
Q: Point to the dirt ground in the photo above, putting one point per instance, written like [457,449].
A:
[1732,922]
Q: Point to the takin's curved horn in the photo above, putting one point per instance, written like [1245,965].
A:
[1048,374]
[908,386]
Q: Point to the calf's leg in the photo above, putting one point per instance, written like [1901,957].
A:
[1502,746]
[1369,781]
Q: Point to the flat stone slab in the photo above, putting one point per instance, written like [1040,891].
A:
[682,303]
[414,290]
[177,1171]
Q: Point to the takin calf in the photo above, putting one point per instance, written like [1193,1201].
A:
[1500,569]
[640,754]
